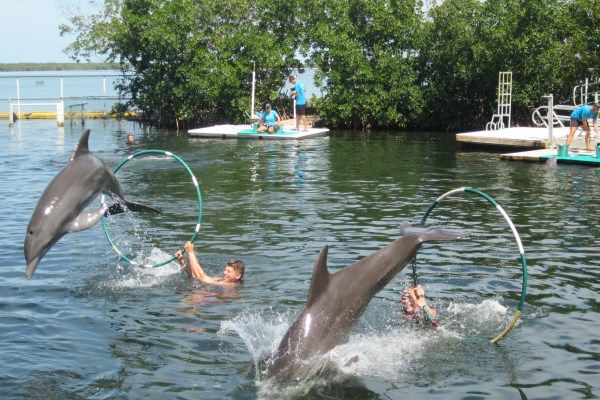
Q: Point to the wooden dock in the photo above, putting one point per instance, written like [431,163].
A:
[517,137]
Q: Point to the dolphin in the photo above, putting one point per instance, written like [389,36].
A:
[551,162]
[60,209]
[336,302]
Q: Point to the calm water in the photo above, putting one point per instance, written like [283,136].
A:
[88,326]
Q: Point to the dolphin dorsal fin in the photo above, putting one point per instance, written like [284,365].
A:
[320,277]
[82,147]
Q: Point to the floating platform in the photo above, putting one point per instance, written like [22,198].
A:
[517,137]
[583,157]
[247,132]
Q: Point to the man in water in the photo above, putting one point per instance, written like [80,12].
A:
[579,117]
[232,273]
[300,96]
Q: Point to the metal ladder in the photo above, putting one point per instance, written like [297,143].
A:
[504,103]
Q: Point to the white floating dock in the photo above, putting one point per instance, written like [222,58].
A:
[246,132]
[519,137]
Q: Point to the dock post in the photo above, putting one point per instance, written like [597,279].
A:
[598,150]
[60,114]
[11,117]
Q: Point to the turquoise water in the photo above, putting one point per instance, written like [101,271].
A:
[88,326]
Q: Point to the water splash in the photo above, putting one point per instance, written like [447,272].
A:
[385,350]
[140,275]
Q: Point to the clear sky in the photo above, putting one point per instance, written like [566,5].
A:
[29,30]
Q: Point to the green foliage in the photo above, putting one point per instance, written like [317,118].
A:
[470,41]
[191,61]
[380,63]
[365,51]
[119,110]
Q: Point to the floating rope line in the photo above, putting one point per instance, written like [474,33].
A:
[198,195]
[519,310]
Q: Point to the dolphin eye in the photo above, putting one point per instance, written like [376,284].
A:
[31,232]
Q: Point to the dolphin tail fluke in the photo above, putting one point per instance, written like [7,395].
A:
[441,235]
[137,207]
[431,234]
[117,208]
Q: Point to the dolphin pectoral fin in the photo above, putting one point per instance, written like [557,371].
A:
[320,277]
[137,207]
[86,220]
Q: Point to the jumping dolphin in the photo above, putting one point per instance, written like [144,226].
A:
[336,302]
[60,210]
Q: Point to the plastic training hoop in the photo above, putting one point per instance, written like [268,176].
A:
[198,194]
[519,310]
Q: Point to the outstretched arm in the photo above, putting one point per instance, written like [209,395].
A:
[195,268]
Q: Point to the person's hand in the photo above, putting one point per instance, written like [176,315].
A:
[419,291]
[179,257]
[189,247]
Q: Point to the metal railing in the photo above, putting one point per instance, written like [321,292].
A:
[40,92]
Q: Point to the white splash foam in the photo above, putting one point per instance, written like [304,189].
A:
[144,275]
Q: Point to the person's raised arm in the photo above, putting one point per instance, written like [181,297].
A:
[195,267]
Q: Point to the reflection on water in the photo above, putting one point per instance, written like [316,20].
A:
[152,333]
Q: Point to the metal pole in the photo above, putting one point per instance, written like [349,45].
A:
[253,89]
[103,91]
[18,99]
[550,118]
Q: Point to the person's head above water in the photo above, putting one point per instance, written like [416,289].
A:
[234,271]
[130,139]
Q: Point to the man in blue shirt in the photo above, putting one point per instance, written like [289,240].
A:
[300,96]
[579,117]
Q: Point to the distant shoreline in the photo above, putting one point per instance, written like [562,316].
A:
[56,66]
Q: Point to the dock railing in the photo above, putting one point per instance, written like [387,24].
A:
[586,92]
[47,96]
[560,115]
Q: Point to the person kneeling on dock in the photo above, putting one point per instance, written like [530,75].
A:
[579,117]
[269,121]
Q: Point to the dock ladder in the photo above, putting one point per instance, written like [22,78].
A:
[504,103]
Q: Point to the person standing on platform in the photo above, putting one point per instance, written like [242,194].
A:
[299,94]
[579,117]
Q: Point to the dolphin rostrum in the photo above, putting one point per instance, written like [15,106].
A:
[60,210]
[336,302]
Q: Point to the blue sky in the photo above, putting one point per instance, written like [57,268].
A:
[29,30]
